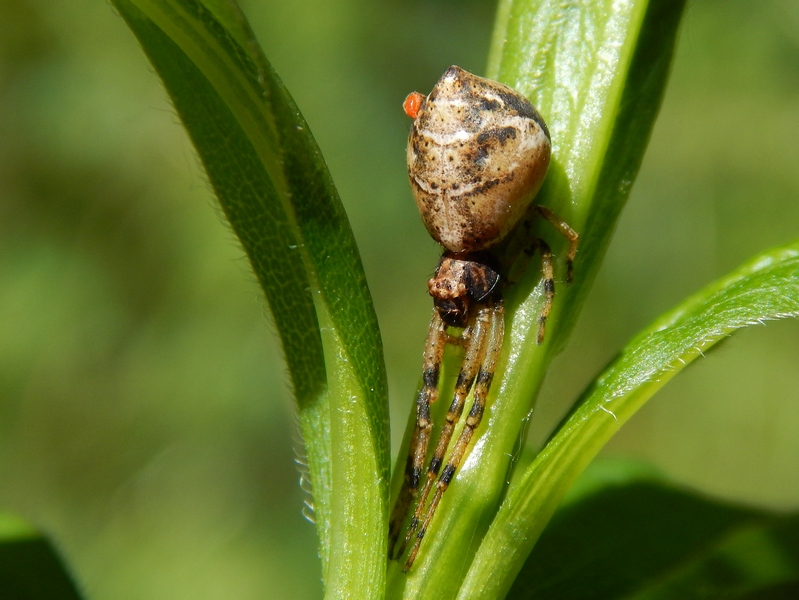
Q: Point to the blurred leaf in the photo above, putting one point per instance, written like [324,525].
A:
[765,288]
[30,568]
[596,70]
[637,536]
[759,561]
[275,190]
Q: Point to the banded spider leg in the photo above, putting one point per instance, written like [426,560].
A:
[466,296]
[547,262]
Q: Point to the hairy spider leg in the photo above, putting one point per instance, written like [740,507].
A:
[548,274]
[482,340]
[566,231]
[495,333]
[475,336]
[437,338]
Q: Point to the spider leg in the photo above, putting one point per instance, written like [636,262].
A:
[437,338]
[474,339]
[548,272]
[567,232]
[489,353]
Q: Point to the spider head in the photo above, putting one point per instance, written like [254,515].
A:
[460,281]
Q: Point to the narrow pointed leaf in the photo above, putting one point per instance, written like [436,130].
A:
[275,190]
[765,288]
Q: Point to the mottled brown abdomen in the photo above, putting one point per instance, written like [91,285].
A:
[478,153]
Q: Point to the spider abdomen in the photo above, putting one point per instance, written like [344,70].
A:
[477,154]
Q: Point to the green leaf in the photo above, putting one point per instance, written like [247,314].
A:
[758,561]
[596,70]
[763,289]
[279,198]
[30,567]
[634,535]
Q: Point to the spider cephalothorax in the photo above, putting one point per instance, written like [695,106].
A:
[460,281]
[478,153]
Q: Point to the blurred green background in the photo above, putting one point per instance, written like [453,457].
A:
[145,418]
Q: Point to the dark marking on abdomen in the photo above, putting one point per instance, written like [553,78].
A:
[500,133]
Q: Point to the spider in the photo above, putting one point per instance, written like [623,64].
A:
[477,155]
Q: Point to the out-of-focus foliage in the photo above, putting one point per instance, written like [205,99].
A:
[704,546]
[132,424]
[30,568]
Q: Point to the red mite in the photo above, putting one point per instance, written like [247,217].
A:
[412,104]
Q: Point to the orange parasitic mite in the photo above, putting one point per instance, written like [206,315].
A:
[412,104]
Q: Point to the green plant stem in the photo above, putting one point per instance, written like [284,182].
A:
[596,70]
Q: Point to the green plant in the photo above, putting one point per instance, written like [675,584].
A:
[597,72]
